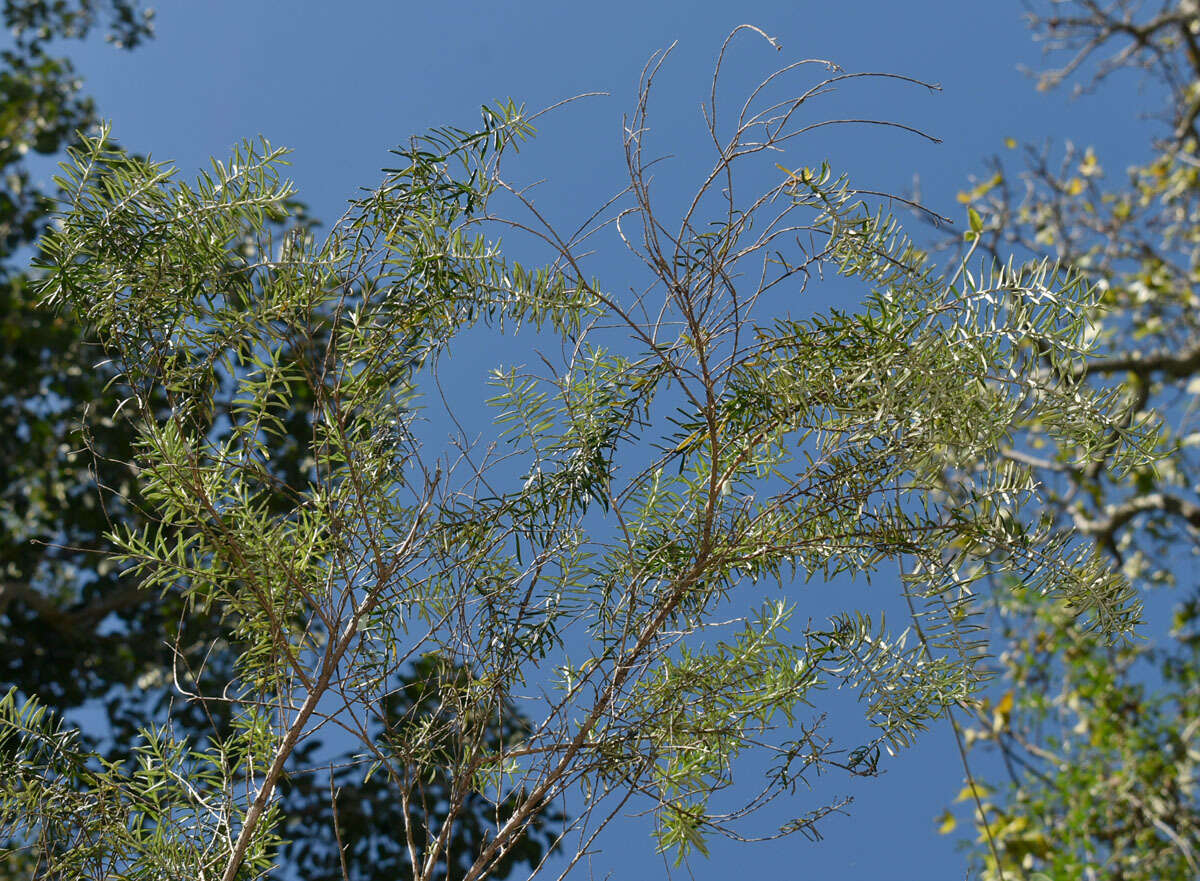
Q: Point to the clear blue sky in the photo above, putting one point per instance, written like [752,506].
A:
[342,82]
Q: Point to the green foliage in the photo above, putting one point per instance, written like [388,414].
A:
[74,626]
[36,22]
[1108,756]
[413,745]
[584,600]
[1100,741]
[72,814]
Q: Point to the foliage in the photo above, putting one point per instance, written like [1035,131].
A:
[1101,743]
[361,829]
[75,627]
[601,565]
[51,516]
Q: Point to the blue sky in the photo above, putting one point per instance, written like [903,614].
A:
[340,83]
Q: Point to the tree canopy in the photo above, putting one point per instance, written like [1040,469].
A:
[1099,742]
[596,593]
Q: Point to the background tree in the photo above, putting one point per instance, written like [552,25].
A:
[1101,742]
[596,597]
[53,593]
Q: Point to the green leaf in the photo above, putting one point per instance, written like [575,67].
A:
[975,221]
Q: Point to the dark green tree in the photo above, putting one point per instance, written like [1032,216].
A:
[56,591]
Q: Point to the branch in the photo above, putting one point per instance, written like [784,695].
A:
[18,590]
[295,731]
[1174,364]
[1116,516]
[71,621]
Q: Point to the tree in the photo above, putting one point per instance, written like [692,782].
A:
[74,627]
[589,587]
[52,520]
[1100,742]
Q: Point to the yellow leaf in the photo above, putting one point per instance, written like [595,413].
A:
[1074,187]
[1002,712]
[968,792]
[690,441]
[1011,143]
[1015,826]
[804,175]
[1006,703]
[1089,167]
[946,823]
[981,189]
